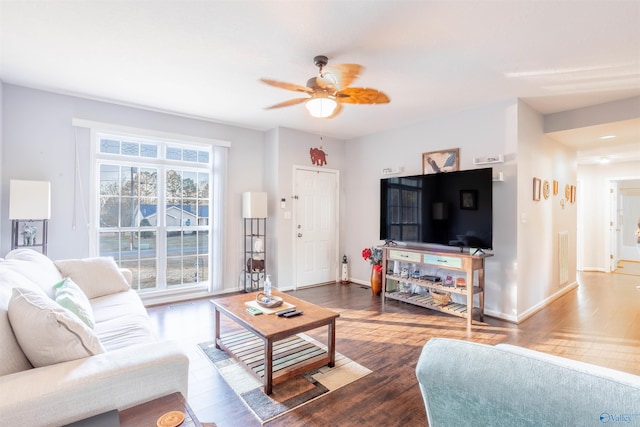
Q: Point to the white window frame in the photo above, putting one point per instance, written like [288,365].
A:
[217,181]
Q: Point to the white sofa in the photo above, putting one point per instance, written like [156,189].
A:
[80,370]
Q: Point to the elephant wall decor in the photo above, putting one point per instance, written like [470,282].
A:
[318,157]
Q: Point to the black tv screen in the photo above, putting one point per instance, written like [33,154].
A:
[452,209]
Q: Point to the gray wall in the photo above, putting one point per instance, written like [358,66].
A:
[38,144]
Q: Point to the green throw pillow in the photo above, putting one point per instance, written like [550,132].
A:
[70,296]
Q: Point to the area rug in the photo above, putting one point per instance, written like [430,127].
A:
[290,394]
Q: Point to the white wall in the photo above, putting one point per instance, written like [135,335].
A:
[594,200]
[38,143]
[479,132]
[1,150]
[539,222]
[293,150]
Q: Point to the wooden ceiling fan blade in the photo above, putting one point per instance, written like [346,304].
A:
[288,103]
[339,76]
[287,86]
[358,95]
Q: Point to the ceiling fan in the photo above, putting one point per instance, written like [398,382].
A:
[330,89]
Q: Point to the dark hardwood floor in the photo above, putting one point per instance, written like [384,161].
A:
[598,323]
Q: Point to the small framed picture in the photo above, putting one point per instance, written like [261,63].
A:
[555,187]
[469,199]
[441,161]
[545,189]
[537,183]
[573,194]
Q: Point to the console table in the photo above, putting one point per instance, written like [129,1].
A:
[419,259]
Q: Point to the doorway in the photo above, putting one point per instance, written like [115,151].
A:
[624,217]
[315,226]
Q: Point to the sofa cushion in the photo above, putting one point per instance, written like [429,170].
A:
[121,320]
[71,297]
[12,358]
[48,333]
[95,276]
[35,267]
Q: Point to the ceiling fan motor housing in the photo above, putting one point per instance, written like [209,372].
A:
[320,60]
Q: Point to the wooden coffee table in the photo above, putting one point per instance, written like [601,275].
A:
[270,329]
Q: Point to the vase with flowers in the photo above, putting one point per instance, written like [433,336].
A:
[374,256]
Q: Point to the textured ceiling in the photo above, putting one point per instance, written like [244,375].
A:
[204,58]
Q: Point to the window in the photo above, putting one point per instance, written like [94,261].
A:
[156,209]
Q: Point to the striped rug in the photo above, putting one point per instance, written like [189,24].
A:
[291,393]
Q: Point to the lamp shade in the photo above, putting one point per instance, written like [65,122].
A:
[254,205]
[29,199]
[321,107]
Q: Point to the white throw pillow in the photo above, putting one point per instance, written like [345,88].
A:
[47,333]
[71,297]
[95,276]
[34,266]
[12,358]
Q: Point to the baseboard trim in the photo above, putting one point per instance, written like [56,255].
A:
[593,269]
[536,308]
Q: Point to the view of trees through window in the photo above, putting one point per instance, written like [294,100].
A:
[154,211]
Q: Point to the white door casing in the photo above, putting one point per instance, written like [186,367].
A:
[315,226]
[614,229]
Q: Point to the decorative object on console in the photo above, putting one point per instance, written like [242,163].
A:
[448,280]
[440,298]
[29,202]
[461,282]
[374,256]
[441,161]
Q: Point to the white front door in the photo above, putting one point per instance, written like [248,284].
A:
[315,226]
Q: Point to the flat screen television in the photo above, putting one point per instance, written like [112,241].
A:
[452,209]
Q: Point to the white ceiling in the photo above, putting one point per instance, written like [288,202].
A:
[204,58]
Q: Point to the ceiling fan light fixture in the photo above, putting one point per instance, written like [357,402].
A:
[321,107]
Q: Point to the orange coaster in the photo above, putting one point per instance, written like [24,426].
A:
[171,419]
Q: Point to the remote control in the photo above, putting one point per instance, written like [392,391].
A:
[292,314]
[286,310]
